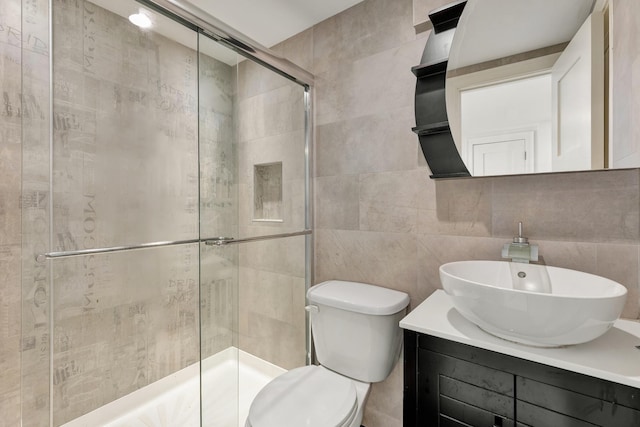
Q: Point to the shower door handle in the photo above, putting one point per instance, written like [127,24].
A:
[210,241]
[219,241]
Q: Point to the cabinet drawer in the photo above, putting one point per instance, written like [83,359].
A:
[576,405]
[489,401]
[466,414]
[535,416]
[448,422]
[470,373]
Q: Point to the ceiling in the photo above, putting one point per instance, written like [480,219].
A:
[267,22]
[271,21]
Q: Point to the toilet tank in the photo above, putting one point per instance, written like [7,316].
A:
[356,328]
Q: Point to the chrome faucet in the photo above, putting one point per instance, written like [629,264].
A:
[520,250]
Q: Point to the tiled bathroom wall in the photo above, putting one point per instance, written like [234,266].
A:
[10,244]
[380,219]
[271,131]
[125,171]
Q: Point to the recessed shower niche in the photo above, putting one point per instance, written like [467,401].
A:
[267,192]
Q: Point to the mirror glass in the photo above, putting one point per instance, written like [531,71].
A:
[527,85]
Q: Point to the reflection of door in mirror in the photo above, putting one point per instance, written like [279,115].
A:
[578,100]
[503,154]
[495,124]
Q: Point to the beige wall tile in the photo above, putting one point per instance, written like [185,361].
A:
[462,207]
[10,334]
[376,143]
[271,113]
[389,201]
[337,202]
[275,341]
[298,49]
[620,263]
[279,299]
[384,259]
[363,30]
[385,400]
[589,206]
[10,211]
[284,256]
[579,256]
[352,89]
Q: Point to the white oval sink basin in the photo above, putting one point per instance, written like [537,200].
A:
[533,304]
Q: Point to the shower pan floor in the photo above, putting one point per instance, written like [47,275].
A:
[174,401]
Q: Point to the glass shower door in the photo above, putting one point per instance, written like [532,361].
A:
[165,213]
[124,188]
[253,222]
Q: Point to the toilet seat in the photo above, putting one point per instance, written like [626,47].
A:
[311,396]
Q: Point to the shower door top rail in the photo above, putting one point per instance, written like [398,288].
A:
[222,32]
[210,241]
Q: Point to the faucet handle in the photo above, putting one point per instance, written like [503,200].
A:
[520,239]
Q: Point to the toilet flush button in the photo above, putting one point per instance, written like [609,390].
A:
[312,308]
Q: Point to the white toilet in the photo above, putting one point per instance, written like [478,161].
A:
[357,340]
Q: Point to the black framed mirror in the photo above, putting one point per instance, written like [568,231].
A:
[525,88]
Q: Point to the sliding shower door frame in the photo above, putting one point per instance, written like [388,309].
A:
[211,27]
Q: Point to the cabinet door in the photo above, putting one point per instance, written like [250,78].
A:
[536,416]
[454,391]
[541,404]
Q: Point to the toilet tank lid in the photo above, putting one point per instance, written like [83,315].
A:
[358,297]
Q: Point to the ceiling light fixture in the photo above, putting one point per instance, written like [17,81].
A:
[140,19]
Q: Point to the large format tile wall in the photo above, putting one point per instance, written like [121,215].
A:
[10,243]
[380,219]
[125,171]
[271,131]
[24,60]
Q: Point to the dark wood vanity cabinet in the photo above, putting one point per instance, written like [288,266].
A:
[450,384]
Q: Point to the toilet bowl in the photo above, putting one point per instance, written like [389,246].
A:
[357,337]
[311,396]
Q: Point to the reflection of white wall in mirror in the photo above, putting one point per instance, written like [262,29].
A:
[578,100]
[497,111]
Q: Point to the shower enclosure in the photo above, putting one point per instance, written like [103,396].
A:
[166,242]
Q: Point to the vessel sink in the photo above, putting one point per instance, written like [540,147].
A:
[533,304]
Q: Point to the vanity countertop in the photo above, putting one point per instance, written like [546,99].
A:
[612,356]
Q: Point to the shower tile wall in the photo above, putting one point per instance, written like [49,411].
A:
[125,171]
[218,203]
[270,128]
[10,233]
[24,125]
